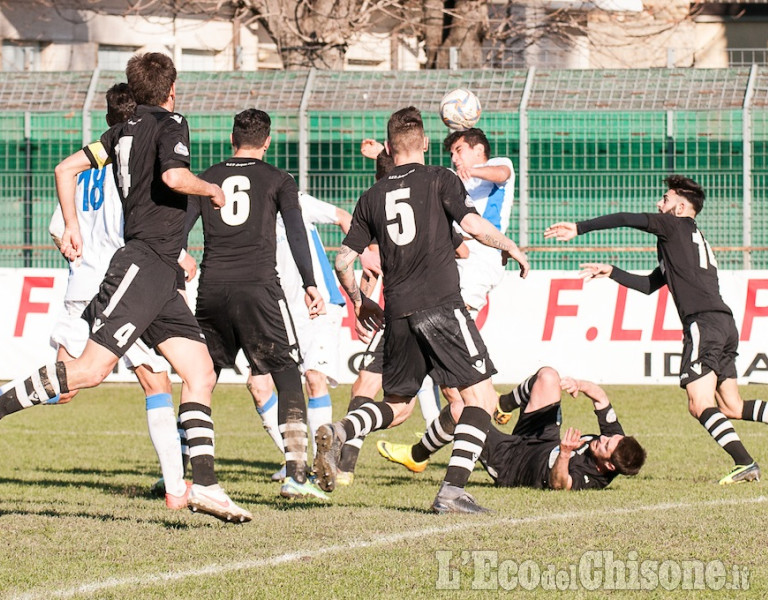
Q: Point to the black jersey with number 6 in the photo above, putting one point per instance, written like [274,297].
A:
[142,148]
[410,213]
[240,238]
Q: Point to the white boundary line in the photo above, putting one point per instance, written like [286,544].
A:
[471,523]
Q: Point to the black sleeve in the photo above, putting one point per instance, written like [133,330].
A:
[642,283]
[194,204]
[608,421]
[454,196]
[456,238]
[634,220]
[297,240]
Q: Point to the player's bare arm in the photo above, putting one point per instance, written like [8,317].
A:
[371,148]
[594,270]
[183,181]
[559,478]
[591,390]
[66,173]
[485,233]
[369,313]
[314,301]
[188,264]
[562,231]
[493,173]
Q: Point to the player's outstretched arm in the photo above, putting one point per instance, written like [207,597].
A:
[559,478]
[562,231]
[484,232]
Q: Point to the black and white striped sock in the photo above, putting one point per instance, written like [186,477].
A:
[468,442]
[755,410]
[722,431]
[45,384]
[196,420]
[439,433]
[184,445]
[371,416]
[518,397]
[350,451]
[292,422]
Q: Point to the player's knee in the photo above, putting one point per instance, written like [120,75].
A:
[316,383]
[202,381]
[548,379]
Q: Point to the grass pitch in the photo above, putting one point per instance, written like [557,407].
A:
[77,520]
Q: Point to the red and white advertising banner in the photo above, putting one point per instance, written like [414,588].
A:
[593,330]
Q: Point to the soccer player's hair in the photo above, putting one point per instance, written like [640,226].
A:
[629,456]
[120,104]
[384,164]
[150,77]
[251,128]
[688,189]
[472,137]
[405,130]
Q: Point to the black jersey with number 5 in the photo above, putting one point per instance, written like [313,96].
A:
[410,212]
[240,238]
[142,148]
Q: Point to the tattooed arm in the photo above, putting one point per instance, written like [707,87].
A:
[485,233]
[369,314]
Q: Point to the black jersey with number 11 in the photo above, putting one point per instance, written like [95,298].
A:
[410,212]
[142,148]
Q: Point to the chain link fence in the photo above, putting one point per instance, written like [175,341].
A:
[583,143]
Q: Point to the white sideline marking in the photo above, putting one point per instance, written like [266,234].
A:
[217,569]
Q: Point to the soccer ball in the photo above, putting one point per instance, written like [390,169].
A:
[460,109]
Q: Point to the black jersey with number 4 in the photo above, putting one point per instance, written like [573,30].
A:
[240,237]
[410,213]
[142,148]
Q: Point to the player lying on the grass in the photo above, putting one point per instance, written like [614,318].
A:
[710,338]
[534,455]
[100,215]
[429,331]
[139,296]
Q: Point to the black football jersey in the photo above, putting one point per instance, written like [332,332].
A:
[688,265]
[142,148]
[240,238]
[410,213]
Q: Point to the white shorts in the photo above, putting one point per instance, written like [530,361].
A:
[479,273]
[71,332]
[319,340]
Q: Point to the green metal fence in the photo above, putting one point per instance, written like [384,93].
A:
[583,143]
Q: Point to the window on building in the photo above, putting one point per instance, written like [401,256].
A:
[197,60]
[114,58]
[21,56]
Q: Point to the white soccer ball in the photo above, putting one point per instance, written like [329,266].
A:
[460,109]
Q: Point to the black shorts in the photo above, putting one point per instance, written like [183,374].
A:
[373,357]
[521,458]
[139,298]
[442,342]
[251,317]
[710,343]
